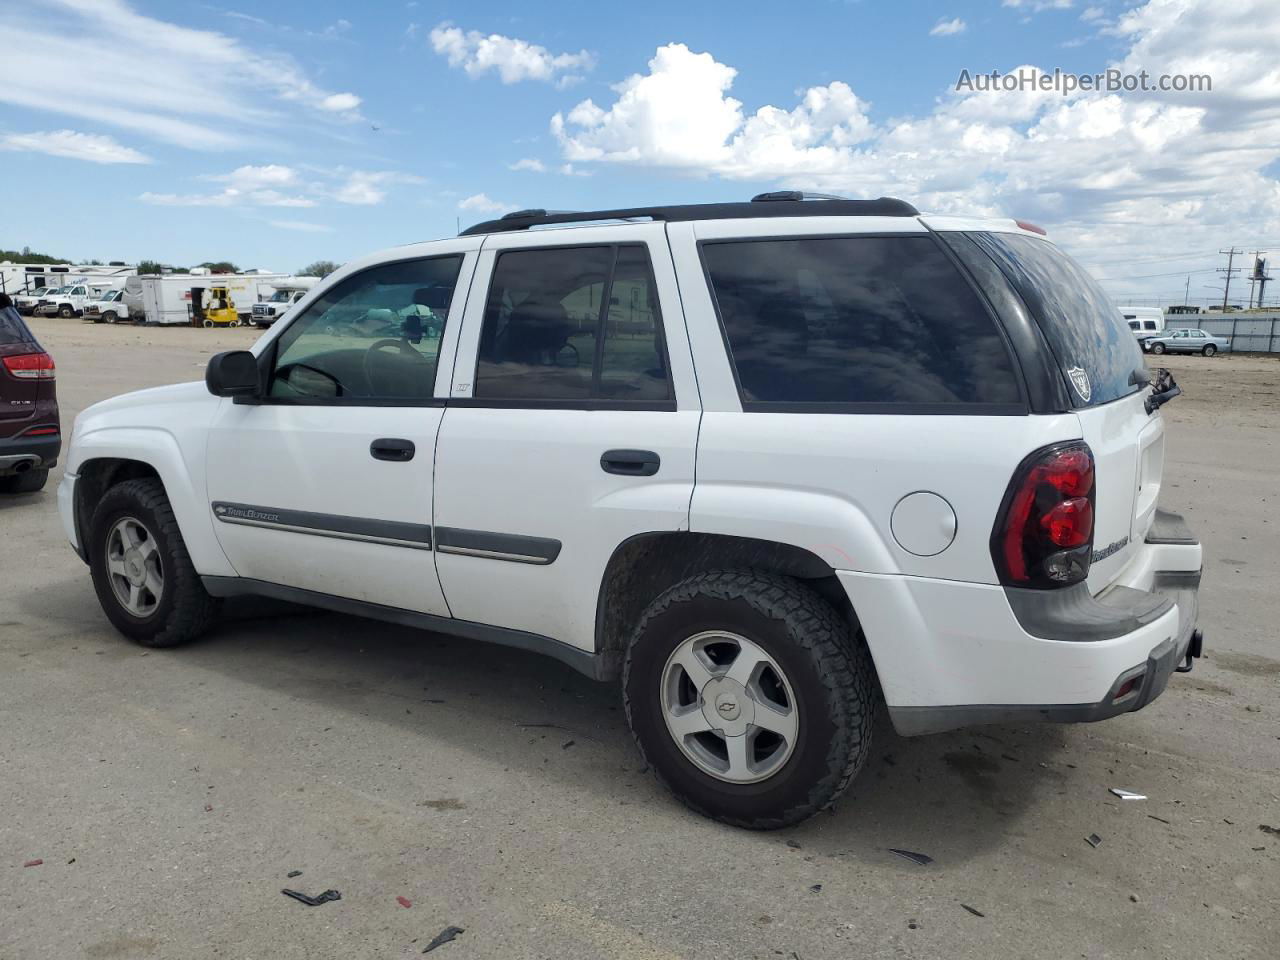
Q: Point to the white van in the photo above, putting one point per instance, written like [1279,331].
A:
[1145,322]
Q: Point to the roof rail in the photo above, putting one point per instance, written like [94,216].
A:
[785,203]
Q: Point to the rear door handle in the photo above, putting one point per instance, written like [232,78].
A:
[630,463]
[393,449]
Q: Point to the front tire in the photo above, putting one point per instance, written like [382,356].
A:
[750,697]
[66,312]
[141,570]
[1209,350]
[1157,348]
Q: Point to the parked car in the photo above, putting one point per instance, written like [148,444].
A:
[1188,341]
[765,463]
[30,432]
[1145,322]
[68,301]
[108,308]
[25,303]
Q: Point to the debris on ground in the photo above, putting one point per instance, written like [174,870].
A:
[1161,819]
[404,902]
[973,910]
[293,873]
[1127,794]
[312,901]
[444,936]
[33,863]
[793,844]
[1094,840]
[208,808]
[816,888]
[920,859]
[1272,830]
[567,744]
[71,861]
[1133,898]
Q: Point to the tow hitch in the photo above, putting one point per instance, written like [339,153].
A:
[1194,649]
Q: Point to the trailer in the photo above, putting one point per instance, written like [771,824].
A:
[25,278]
[166,299]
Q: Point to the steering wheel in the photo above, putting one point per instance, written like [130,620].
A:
[403,346]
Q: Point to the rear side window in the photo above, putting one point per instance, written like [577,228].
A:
[573,325]
[857,323]
[1094,349]
[13,329]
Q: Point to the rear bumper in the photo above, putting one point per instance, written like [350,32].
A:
[953,654]
[19,454]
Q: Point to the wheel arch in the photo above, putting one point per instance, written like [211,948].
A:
[106,458]
[645,565]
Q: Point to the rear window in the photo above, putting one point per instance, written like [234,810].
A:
[13,329]
[874,324]
[1090,340]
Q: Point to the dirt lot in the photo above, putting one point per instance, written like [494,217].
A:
[170,792]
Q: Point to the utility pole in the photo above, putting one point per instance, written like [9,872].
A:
[1230,271]
[1186,294]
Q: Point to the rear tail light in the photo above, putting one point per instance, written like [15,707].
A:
[40,432]
[1043,536]
[30,366]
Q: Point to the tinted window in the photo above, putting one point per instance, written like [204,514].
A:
[373,336]
[572,323]
[13,329]
[856,320]
[1084,329]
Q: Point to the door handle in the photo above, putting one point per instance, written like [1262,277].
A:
[393,449]
[630,463]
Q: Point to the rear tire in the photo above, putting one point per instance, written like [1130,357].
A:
[1209,350]
[141,570]
[208,323]
[1157,348]
[779,747]
[28,482]
[65,312]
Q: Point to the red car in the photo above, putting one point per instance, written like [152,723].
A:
[30,434]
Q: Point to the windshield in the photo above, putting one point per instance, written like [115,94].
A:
[1096,352]
[280,296]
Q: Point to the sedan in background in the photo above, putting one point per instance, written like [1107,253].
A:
[1188,341]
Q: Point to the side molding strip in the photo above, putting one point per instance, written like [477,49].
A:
[497,546]
[583,661]
[416,536]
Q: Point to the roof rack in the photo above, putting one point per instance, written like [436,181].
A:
[783,203]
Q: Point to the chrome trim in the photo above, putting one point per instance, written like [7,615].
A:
[330,534]
[492,554]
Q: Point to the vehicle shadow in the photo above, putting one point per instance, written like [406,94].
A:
[950,796]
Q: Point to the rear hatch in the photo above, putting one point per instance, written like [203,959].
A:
[1103,368]
[18,397]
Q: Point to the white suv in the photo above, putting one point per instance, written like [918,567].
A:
[766,462]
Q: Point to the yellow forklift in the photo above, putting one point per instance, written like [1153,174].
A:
[218,311]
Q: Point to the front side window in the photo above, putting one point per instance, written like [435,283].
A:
[573,324]
[856,321]
[375,336]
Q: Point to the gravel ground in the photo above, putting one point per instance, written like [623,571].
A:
[170,792]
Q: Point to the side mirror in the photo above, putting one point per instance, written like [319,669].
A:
[233,373]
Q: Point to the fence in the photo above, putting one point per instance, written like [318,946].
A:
[1251,332]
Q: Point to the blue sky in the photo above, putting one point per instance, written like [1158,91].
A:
[274,134]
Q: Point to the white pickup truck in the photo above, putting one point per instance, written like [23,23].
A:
[68,301]
[111,307]
[765,463]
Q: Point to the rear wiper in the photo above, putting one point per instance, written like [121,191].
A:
[1163,389]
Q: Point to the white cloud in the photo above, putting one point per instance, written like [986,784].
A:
[340,102]
[482,204]
[946,28]
[70,143]
[1125,173]
[1089,14]
[1038,5]
[369,187]
[104,61]
[264,186]
[301,226]
[512,59]
[532,164]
